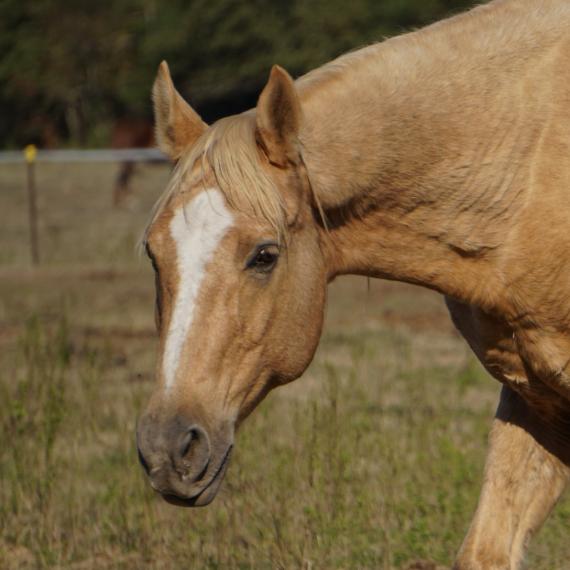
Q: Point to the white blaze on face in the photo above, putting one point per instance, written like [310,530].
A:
[196,229]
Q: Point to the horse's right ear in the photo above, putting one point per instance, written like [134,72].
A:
[177,125]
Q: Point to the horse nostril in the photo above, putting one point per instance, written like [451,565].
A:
[173,452]
[190,436]
[192,453]
[191,441]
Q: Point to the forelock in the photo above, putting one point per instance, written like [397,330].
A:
[229,151]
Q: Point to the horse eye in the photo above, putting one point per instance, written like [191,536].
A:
[264,259]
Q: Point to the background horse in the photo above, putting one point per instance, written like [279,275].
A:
[440,158]
[129,132]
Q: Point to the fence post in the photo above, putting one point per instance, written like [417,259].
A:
[30,153]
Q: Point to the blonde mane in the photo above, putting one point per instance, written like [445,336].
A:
[229,151]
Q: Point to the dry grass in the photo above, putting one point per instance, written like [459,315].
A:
[372,460]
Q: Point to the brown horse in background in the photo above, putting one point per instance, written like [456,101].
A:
[129,132]
[440,158]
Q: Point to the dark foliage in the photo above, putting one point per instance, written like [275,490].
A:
[69,69]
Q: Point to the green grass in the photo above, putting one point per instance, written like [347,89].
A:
[372,460]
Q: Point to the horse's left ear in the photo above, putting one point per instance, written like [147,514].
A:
[278,119]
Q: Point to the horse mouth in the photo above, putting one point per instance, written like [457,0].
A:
[206,495]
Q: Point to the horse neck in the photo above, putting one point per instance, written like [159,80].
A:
[419,152]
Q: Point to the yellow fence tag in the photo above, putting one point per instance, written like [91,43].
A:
[30,153]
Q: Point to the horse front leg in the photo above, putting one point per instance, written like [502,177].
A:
[522,483]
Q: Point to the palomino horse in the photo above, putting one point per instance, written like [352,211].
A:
[440,158]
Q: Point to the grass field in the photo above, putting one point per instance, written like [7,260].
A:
[372,460]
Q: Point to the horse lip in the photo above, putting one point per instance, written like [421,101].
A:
[202,497]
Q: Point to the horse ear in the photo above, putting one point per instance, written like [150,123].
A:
[278,118]
[177,125]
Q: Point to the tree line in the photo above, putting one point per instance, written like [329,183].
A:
[68,70]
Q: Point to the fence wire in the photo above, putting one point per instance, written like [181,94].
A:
[98,155]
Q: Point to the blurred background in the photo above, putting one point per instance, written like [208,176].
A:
[70,70]
[373,459]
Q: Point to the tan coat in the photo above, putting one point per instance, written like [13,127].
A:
[440,158]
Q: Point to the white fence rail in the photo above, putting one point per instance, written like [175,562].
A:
[72,155]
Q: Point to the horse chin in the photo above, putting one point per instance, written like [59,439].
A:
[206,495]
[201,500]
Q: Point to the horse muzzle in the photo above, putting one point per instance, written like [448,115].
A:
[183,461]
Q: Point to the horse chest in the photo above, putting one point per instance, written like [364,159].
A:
[534,363]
